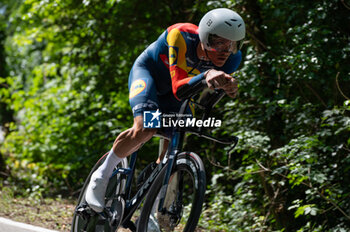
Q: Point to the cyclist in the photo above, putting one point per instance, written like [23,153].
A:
[183,55]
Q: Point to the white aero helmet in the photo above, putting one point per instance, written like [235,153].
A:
[222,22]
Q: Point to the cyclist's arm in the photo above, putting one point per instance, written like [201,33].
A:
[195,83]
[181,82]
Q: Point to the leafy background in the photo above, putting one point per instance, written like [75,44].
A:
[64,66]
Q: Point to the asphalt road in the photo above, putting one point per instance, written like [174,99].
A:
[7,225]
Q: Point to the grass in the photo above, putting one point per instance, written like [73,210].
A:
[55,214]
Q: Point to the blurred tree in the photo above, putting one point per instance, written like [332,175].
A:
[6,114]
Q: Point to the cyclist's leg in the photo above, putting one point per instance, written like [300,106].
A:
[96,189]
[125,144]
[132,139]
[143,96]
[84,219]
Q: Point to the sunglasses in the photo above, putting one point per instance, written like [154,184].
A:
[219,44]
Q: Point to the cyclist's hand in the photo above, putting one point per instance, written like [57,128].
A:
[221,80]
[216,79]
[231,88]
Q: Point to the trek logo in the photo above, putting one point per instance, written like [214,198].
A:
[151,119]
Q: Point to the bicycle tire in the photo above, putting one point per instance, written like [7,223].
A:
[115,187]
[190,163]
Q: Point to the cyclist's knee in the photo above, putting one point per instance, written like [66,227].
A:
[141,133]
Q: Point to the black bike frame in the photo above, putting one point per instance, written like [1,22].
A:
[176,141]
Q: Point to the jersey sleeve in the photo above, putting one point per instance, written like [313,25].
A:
[232,63]
[177,62]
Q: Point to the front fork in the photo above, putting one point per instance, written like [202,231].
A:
[173,150]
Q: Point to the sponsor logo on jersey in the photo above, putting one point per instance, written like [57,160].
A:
[137,87]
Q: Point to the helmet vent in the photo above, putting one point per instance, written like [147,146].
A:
[228,23]
[234,20]
[240,25]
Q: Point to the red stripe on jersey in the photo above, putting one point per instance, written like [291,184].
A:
[179,77]
[165,60]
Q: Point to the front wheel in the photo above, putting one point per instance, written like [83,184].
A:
[183,201]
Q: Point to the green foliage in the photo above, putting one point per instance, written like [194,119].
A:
[67,85]
[290,171]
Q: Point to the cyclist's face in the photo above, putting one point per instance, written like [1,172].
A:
[218,58]
[220,49]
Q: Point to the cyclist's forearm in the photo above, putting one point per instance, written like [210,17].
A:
[193,85]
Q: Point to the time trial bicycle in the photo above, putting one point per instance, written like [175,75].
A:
[171,197]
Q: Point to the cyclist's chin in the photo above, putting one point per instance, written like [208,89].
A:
[218,59]
[219,62]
